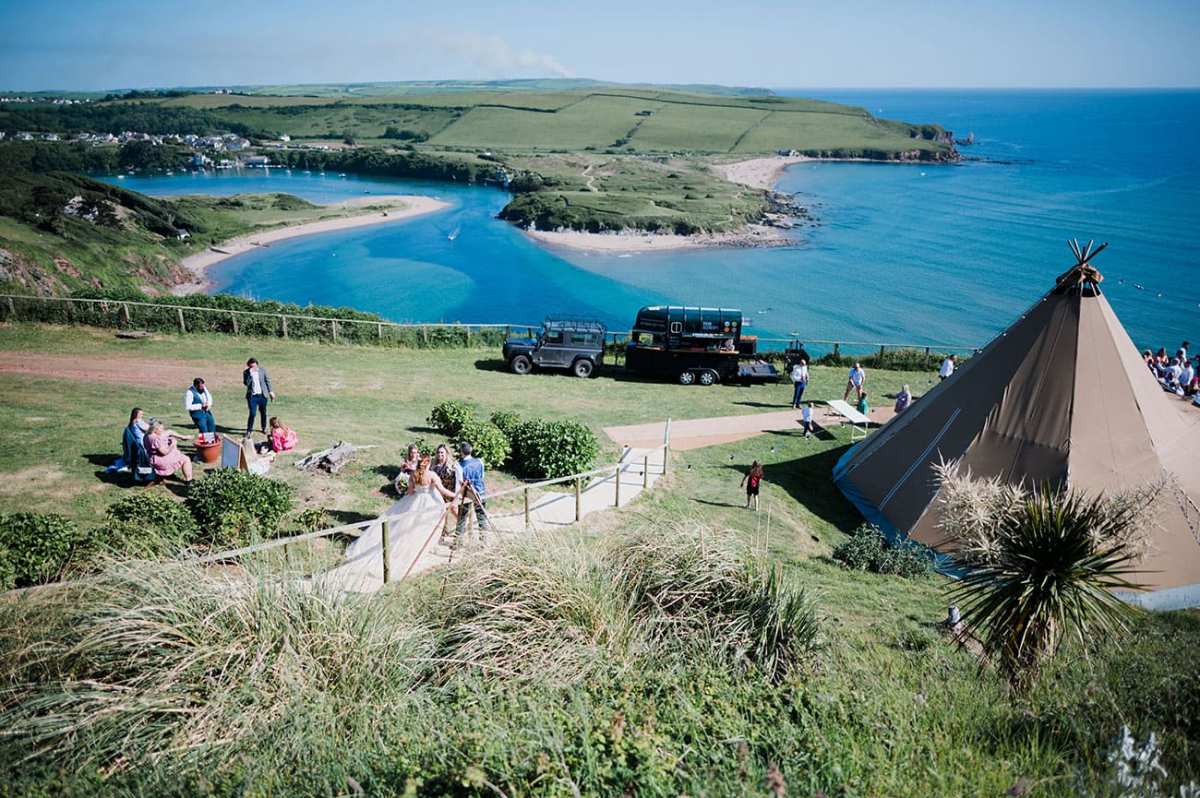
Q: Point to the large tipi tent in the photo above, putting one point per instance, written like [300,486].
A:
[1061,396]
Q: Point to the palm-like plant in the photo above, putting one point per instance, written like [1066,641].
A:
[1056,556]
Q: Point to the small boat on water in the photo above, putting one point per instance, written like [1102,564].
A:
[453,234]
[341,174]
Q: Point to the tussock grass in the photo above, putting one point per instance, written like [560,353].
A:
[552,607]
[149,659]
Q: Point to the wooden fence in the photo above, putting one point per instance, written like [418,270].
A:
[183,319]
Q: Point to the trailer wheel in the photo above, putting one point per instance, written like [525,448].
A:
[708,377]
[582,368]
[687,377]
[521,364]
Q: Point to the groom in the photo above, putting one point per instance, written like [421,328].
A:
[258,390]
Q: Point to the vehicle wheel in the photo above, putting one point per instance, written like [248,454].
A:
[687,377]
[521,364]
[708,377]
[582,368]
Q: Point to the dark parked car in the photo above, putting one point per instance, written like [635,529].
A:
[573,344]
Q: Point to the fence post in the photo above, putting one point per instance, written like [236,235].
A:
[334,327]
[926,351]
[527,508]
[578,499]
[283,323]
[666,445]
[836,347]
[617,500]
[233,318]
[424,337]
[881,352]
[387,560]
[182,326]
[124,311]
[646,472]
[507,329]
[379,330]
[468,331]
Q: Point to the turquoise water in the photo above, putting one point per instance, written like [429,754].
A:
[903,253]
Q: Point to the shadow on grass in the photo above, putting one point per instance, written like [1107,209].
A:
[807,480]
[784,405]
[343,517]
[388,472]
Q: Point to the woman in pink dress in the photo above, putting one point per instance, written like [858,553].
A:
[283,437]
[165,455]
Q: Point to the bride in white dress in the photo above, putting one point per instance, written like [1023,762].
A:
[413,522]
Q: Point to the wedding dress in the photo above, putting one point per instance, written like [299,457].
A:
[412,524]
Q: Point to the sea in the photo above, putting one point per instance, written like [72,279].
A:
[920,254]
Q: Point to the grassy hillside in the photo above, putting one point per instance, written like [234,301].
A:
[432,689]
[581,155]
[61,232]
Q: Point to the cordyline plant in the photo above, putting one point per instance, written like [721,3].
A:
[1039,563]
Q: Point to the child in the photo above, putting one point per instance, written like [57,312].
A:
[806,419]
[283,437]
[863,407]
[752,481]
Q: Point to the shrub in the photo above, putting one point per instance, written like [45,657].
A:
[36,547]
[449,417]
[551,449]
[313,518]
[507,421]
[489,443]
[145,524]
[232,506]
[867,549]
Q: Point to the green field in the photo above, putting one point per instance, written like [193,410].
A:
[885,705]
[580,119]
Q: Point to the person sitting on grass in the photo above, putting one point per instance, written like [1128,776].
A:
[165,456]
[283,437]
[903,400]
[862,406]
[134,459]
[752,481]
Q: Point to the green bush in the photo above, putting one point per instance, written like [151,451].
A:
[449,417]
[551,449]
[313,518]
[145,524]
[489,443]
[36,547]
[507,421]
[867,549]
[232,507]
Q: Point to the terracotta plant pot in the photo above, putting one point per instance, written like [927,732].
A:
[209,452]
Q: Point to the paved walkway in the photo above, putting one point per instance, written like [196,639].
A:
[698,432]
[551,509]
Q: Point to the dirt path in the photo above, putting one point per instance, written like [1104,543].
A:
[119,370]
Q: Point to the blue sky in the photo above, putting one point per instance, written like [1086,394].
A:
[102,44]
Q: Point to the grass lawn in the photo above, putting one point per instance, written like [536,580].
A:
[60,432]
[885,707]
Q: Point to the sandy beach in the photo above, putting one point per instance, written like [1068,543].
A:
[759,172]
[384,208]
[631,241]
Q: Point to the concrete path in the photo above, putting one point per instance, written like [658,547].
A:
[698,432]
[552,509]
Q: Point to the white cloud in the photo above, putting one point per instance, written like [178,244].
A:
[500,59]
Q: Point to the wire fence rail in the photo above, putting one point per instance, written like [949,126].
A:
[172,317]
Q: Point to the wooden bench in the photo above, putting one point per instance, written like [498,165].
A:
[858,422]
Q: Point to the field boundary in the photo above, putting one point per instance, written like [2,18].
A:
[170,317]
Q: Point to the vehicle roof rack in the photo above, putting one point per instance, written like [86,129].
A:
[574,323]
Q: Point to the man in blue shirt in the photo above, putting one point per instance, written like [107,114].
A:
[473,490]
